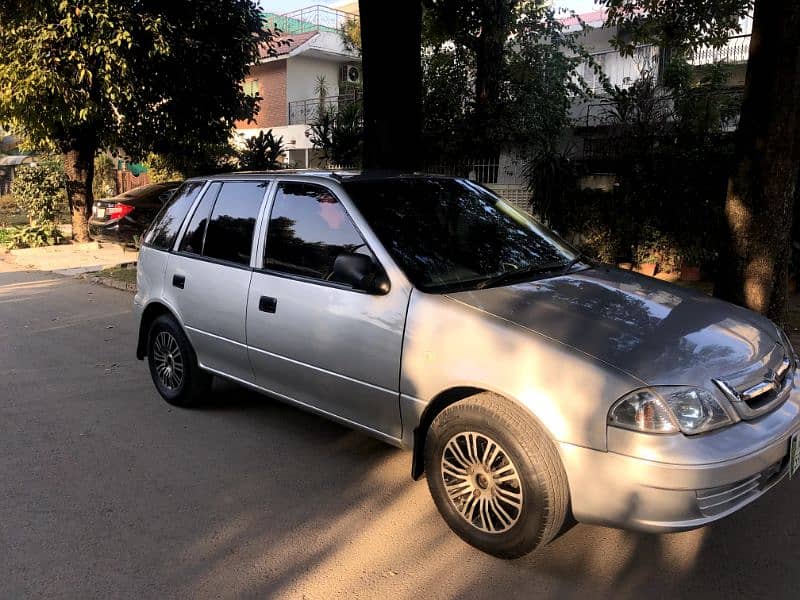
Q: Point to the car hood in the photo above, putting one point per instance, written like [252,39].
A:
[655,331]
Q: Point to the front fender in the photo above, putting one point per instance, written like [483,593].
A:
[448,344]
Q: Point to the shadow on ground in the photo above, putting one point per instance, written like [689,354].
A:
[349,522]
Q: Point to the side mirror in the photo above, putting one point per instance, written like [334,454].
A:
[360,272]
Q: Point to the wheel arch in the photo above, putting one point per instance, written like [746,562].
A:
[441,401]
[151,312]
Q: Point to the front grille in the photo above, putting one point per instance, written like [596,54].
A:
[761,388]
[715,501]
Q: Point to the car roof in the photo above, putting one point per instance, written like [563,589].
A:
[321,174]
[146,190]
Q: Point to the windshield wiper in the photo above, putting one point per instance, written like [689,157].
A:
[568,267]
[518,274]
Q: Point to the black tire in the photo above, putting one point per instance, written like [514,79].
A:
[193,383]
[541,480]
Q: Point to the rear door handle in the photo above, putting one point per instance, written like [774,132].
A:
[267,304]
[179,281]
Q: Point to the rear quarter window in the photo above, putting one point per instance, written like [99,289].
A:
[165,227]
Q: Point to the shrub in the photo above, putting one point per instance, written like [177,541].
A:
[261,152]
[40,191]
[338,134]
[600,242]
[162,170]
[35,236]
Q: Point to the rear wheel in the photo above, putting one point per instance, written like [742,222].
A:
[173,364]
[495,476]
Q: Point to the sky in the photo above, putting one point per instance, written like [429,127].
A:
[282,6]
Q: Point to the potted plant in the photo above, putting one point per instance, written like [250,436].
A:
[647,252]
[647,263]
[691,260]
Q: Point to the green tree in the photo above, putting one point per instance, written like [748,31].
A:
[81,76]
[350,32]
[762,184]
[525,102]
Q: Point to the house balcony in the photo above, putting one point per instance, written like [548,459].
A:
[734,52]
[312,18]
[620,71]
[304,112]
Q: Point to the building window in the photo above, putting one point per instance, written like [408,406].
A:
[251,88]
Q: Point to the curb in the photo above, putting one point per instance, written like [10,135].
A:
[112,283]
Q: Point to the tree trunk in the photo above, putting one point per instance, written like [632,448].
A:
[390,50]
[761,189]
[489,51]
[79,171]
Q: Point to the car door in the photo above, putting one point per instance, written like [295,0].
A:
[207,279]
[314,341]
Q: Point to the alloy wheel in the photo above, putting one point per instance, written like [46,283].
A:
[168,360]
[482,482]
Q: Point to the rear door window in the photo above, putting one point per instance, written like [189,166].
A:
[164,231]
[192,241]
[229,234]
[223,225]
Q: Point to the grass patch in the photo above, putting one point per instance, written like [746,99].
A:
[118,274]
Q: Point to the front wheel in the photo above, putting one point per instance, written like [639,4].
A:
[173,364]
[495,476]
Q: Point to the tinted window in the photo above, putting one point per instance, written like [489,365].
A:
[447,233]
[308,229]
[229,235]
[193,238]
[166,225]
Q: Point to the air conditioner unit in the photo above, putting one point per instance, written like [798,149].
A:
[350,74]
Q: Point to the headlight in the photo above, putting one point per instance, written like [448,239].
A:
[669,409]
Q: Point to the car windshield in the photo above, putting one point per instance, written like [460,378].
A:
[449,234]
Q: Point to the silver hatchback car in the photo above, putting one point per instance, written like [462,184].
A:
[527,381]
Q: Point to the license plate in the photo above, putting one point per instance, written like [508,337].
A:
[101,212]
[794,455]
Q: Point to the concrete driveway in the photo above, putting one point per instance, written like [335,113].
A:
[107,492]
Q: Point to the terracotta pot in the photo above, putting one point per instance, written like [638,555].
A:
[690,273]
[648,269]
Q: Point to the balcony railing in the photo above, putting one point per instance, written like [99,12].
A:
[303,112]
[735,51]
[311,18]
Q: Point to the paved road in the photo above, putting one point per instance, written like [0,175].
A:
[106,491]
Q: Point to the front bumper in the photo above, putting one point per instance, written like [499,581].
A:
[684,482]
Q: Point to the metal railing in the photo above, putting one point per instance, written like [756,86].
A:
[311,18]
[482,170]
[735,51]
[303,112]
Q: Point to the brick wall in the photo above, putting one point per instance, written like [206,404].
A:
[271,78]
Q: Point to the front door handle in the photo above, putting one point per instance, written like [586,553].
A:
[179,281]
[267,304]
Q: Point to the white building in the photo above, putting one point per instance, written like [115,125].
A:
[312,69]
